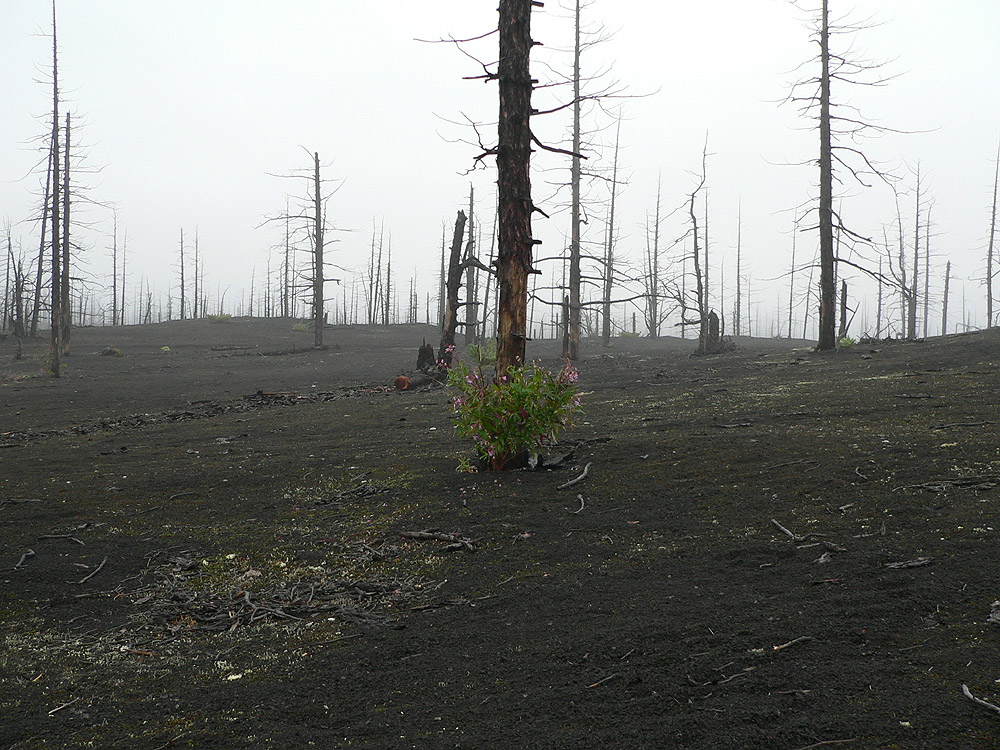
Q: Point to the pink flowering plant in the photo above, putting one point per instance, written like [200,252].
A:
[513,417]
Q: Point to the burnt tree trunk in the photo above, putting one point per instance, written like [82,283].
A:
[514,239]
[452,285]
[843,311]
[827,284]
[64,288]
[571,342]
[318,320]
[56,314]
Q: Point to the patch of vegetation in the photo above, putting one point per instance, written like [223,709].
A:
[300,327]
[221,318]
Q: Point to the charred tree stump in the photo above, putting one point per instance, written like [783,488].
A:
[714,336]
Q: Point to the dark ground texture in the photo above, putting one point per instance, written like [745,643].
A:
[218,560]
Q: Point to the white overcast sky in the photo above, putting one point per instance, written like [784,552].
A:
[187,106]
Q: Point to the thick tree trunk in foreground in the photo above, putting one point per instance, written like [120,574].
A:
[514,239]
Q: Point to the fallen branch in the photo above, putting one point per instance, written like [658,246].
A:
[94,572]
[978,701]
[795,537]
[580,498]
[917,562]
[579,479]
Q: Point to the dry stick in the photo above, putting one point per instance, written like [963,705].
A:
[94,573]
[826,743]
[25,556]
[580,498]
[579,479]
[793,642]
[795,537]
[64,705]
[172,740]
[601,682]
[63,536]
[979,701]
[960,424]
[437,536]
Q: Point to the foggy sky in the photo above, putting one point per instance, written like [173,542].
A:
[187,107]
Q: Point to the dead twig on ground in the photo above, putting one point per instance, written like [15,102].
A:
[93,572]
[580,498]
[172,740]
[791,463]
[917,562]
[456,540]
[796,537]
[979,482]
[826,743]
[63,536]
[792,642]
[960,424]
[579,479]
[24,556]
[601,682]
[979,701]
[57,709]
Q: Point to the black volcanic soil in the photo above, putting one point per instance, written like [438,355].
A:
[201,547]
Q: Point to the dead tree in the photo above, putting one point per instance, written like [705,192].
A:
[911,313]
[791,274]
[452,285]
[318,243]
[56,306]
[471,314]
[944,308]
[609,248]
[513,151]
[312,214]
[183,286]
[738,312]
[840,127]
[991,245]
[66,308]
[571,348]
[651,275]
[37,291]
